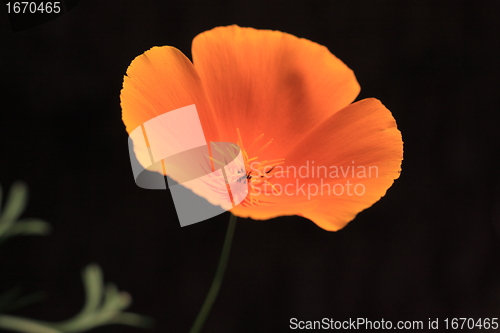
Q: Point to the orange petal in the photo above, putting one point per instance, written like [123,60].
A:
[161,80]
[362,136]
[270,82]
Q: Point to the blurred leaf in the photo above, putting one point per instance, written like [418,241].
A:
[16,202]
[132,319]
[93,282]
[30,227]
[14,207]
[103,304]
[24,325]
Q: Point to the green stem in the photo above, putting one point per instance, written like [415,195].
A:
[217,282]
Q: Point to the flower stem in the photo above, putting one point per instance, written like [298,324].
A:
[217,282]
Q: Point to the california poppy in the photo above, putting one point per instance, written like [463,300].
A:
[286,102]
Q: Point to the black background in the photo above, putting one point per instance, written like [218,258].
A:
[429,249]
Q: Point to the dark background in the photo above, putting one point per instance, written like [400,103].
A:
[430,248]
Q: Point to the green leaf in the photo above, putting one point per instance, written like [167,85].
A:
[24,325]
[29,227]
[16,202]
[93,282]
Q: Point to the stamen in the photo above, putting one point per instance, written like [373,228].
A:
[265,146]
[258,174]
[257,139]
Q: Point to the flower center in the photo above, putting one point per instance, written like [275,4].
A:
[258,172]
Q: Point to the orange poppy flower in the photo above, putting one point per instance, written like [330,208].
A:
[286,102]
